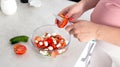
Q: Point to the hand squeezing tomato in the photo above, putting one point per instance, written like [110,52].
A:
[62,23]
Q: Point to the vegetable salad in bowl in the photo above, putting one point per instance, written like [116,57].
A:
[50,40]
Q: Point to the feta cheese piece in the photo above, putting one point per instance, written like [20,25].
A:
[58,45]
[45,43]
[46,49]
[50,48]
[54,41]
[36,41]
[48,35]
[66,41]
[43,36]
[61,50]
[45,53]
[41,43]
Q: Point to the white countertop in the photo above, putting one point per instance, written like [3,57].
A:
[24,22]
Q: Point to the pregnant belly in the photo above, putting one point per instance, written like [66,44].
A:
[107,12]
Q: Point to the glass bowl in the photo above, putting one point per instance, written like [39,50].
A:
[49,40]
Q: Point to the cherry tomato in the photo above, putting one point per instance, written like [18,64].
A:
[38,38]
[54,54]
[54,46]
[49,40]
[19,49]
[63,23]
[58,37]
[63,44]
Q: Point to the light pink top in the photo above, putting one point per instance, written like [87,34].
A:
[107,12]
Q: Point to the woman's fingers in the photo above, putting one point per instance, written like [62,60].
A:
[69,27]
[84,37]
[64,11]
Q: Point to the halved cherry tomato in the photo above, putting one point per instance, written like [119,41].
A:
[63,23]
[38,45]
[54,54]
[58,37]
[19,49]
[57,40]
[53,45]
[63,44]
[38,38]
[49,40]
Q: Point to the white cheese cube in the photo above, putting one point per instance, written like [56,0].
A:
[45,43]
[44,53]
[41,43]
[58,45]
[50,48]
[66,41]
[48,35]
[43,36]
[36,41]
[61,51]
[46,49]
[54,41]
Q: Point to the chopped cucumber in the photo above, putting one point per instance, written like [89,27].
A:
[18,39]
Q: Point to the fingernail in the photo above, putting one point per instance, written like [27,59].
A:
[70,19]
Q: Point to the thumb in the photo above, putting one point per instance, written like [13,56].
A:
[69,27]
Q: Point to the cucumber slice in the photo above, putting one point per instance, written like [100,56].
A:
[18,39]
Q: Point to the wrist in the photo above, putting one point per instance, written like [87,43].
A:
[109,34]
[100,32]
[82,5]
[103,32]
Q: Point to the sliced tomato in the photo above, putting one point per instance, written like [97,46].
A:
[19,49]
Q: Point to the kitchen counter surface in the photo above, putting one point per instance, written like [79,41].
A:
[23,22]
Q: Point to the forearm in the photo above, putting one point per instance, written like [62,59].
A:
[88,4]
[109,34]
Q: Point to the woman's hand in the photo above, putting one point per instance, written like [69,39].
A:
[83,30]
[73,12]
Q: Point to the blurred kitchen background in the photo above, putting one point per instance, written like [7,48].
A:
[75,0]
